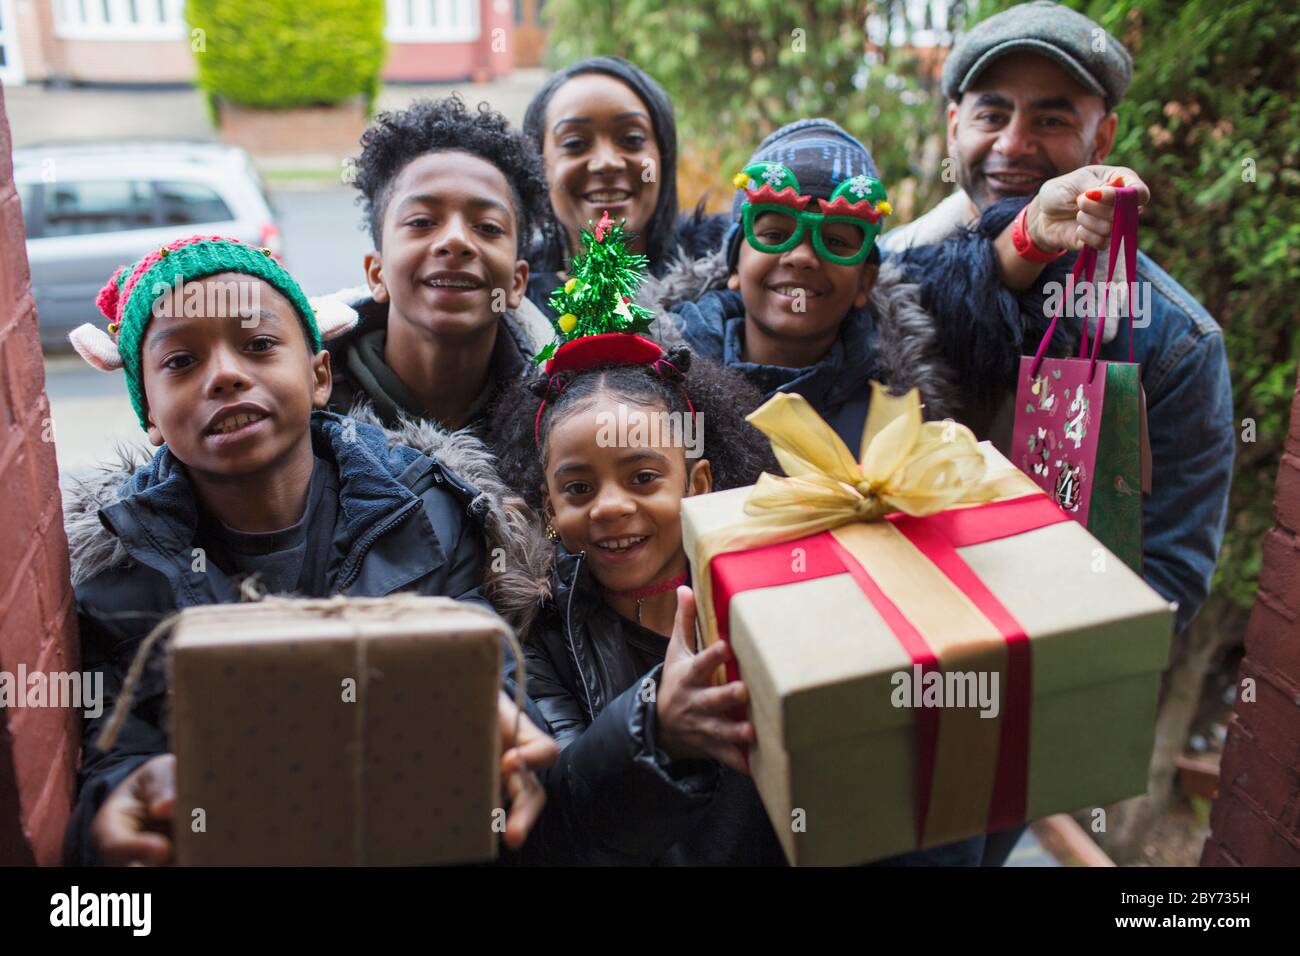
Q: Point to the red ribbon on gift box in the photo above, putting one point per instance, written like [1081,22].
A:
[937,537]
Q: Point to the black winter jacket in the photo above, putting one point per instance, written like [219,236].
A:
[405,523]
[362,377]
[613,797]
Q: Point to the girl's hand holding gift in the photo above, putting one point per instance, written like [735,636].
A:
[695,716]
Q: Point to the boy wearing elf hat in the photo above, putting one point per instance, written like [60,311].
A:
[251,486]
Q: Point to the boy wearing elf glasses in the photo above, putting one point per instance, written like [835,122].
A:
[800,299]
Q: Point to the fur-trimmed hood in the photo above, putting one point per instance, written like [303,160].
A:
[518,557]
[907,339]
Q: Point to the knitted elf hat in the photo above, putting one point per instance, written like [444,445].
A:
[599,323]
[821,163]
[128,298]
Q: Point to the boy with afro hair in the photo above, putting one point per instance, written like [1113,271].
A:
[451,197]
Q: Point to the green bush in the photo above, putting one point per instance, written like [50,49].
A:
[738,69]
[1212,122]
[280,53]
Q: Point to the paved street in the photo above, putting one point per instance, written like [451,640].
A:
[323,240]
[1029,852]
[41,115]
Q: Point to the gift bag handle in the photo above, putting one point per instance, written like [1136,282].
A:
[1124,234]
[1085,265]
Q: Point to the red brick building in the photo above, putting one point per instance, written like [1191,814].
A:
[1256,818]
[38,745]
[148,41]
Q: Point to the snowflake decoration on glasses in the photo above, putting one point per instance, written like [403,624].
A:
[859,186]
[773,175]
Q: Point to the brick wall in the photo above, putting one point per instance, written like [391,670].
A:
[37,623]
[46,54]
[496,42]
[127,61]
[1256,819]
[429,62]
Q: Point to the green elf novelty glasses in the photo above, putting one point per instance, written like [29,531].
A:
[775,215]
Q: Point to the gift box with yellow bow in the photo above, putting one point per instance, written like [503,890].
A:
[933,649]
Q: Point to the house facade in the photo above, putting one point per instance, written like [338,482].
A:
[147,42]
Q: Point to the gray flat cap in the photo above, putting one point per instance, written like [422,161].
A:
[1090,54]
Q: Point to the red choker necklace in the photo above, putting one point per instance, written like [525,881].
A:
[651,590]
[640,594]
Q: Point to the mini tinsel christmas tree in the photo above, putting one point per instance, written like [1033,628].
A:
[597,299]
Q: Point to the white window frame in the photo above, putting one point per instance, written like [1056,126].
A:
[432,21]
[11,74]
[84,20]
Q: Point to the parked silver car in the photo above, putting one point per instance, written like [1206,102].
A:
[90,208]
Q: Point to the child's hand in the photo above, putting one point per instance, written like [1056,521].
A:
[1075,210]
[521,756]
[134,824]
[696,717]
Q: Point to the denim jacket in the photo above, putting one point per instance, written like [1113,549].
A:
[1193,439]
[1189,402]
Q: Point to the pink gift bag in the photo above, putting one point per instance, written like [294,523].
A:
[1080,426]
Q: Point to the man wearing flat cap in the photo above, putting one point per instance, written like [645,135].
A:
[1032,93]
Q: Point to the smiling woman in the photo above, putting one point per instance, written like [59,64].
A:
[607,134]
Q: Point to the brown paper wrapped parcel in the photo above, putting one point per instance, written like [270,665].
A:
[331,732]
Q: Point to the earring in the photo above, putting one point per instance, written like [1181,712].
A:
[550,532]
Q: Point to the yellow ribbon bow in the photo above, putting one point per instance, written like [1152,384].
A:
[906,464]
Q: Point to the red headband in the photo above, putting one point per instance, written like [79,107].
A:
[594,351]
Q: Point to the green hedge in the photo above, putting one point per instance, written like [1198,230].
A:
[280,53]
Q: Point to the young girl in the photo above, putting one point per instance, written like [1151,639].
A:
[606,443]
[607,134]
[652,766]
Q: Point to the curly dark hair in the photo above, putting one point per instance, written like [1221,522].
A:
[736,450]
[394,139]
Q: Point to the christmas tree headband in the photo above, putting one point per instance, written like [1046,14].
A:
[128,298]
[772,188]
[599,324]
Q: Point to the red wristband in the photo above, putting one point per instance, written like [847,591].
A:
[1024,246]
